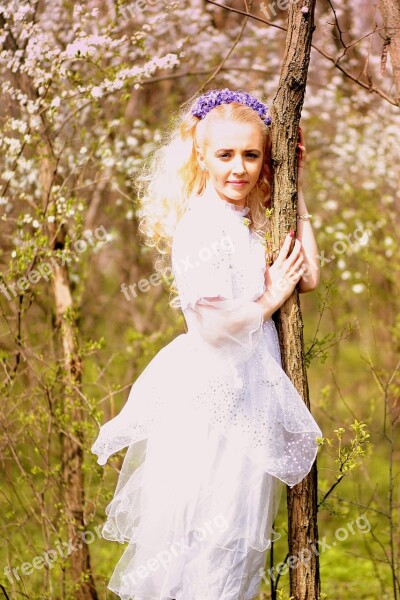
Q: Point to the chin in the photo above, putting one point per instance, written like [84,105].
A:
[238,195]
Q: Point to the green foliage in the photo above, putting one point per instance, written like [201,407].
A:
[346,455]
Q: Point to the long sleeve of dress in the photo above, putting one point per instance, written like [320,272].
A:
[202,264]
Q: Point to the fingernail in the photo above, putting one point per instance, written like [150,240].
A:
[291,233]
[298,239]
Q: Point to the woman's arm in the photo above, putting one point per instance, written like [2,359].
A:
[310,280]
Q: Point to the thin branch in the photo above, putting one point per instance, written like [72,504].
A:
[359,505]
[247,14]
[228,55]
[337,25]
[368,86]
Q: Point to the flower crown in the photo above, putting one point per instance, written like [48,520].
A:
[214,98]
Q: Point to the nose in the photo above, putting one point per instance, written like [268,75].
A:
[238,166]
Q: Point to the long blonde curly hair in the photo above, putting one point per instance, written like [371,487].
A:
[171,174]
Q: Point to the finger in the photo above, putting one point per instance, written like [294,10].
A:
[296,266]
[300,140]
[294,254]
[285,248]
[299,262]
[301,272]
[296,274]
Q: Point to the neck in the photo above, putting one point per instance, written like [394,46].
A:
[212,193]
[239,205]
[235,205]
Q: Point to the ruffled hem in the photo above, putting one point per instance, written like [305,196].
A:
[197,514]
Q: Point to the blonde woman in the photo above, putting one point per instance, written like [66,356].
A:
[213,425]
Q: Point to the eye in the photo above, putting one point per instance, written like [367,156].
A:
[248,154]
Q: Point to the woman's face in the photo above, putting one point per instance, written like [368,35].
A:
[233,159]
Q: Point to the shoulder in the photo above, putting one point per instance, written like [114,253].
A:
[184,231]
[185,223]
[196,227]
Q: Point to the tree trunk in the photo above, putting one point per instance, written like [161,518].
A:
[285,112]
[71,440]
[390,10]
[73,482]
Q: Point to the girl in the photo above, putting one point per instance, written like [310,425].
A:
[213,425]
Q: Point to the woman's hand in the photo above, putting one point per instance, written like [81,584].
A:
[283,275]
[301,158]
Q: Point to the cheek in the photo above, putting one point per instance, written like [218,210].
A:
[217,170]
[257,169]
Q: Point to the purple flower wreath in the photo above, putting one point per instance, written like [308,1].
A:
[214,98]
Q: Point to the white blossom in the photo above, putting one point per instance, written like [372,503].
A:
[96,92]
[7,175]
[358,288]
[55,103]
[331,204]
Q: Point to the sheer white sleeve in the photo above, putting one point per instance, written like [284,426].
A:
[202,265]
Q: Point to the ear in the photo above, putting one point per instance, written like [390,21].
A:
[199,155]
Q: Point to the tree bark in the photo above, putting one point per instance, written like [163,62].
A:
[71,442]
[390,11]
[285,112]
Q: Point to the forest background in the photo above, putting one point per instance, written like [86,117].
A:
[87,89]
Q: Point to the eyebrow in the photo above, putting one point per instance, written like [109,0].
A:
[232,149]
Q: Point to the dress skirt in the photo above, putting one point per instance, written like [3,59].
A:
[210,448]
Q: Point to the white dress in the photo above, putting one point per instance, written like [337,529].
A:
[214,428]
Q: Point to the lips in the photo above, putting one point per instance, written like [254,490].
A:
[239,181]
